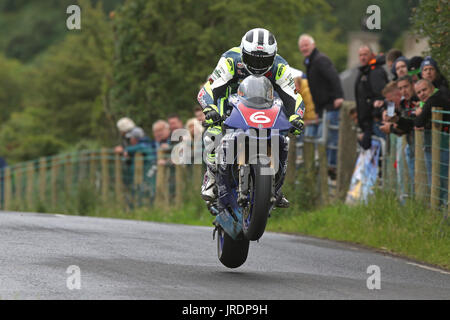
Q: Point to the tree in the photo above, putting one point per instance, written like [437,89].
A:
[166,49]
[67,101]
[30,27]
[11,87]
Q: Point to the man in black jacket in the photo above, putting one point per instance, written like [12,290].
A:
[369,101]
[326,90]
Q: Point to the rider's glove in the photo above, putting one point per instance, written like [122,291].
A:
[297,122]
[212,115]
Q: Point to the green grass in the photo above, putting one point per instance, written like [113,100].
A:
[408,230]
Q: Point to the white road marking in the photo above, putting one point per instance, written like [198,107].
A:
[428,268]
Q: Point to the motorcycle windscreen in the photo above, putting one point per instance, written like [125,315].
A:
[256,92]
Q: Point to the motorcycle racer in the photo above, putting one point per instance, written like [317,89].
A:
[257,55]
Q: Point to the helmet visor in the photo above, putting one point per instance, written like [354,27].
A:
[257,63]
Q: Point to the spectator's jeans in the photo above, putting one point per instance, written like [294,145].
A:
[315,131]
[332,118]
[376,130]
[312,131]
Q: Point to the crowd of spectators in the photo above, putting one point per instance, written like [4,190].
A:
[401,106]
[394,94]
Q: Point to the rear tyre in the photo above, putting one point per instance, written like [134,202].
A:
[231,253]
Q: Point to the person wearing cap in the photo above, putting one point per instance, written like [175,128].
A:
[124,125]
[430,71]
[400,67]
[139,142]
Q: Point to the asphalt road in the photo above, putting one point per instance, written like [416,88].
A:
[120,259]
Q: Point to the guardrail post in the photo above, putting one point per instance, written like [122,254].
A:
[105,174]
[391,181]
[30,185]
[54,177]
[7,188]
[291,171]
[347,155]
[118,182]
[92,167]
[406,180]
[68,173]
[323,173]
[18,177]
[420,171]
[161,197]
[138,178]
[436,157]
[42,179]
[180,189]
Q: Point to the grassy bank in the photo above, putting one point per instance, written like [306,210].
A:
[409,230]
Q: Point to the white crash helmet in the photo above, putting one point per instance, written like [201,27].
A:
[258,50]
[125,124]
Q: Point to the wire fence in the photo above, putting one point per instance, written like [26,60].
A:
[79,182]
[420,163]
[413,166]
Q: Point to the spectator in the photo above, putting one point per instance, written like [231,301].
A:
[124,125]
[161,134]
[301,86]
[414,68]
[326,91]
[199,115]
[310,117]
[432,97]
[369,101]
[430,71]
[195,129]
[392,95]
[391,56]
[139,143]
[400,67]
[406,119]
[174,122]
[402,123]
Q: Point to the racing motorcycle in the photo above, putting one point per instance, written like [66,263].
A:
[249,168]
